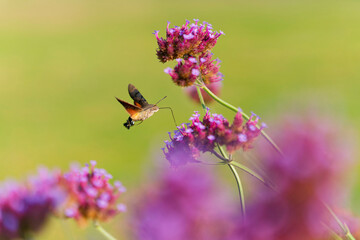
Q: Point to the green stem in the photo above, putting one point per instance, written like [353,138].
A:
[349,236]
[249,171]
[333,234]
[201,98]
[240,166]
[240,189]
[103,231]
[238,182]
[233,108]
[342,225]
[233,170]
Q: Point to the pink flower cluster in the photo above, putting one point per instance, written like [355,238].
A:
[202,136]
[189,39]
[85,193]
[185,72]
[190,45]
[188,70]
[210,68]
[91,196]
[24,208]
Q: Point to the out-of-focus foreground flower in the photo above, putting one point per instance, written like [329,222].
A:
[24,208]
[82,193]
[186,203]
[90,194]
[305,179]
[202,136]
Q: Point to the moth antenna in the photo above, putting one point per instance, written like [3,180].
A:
[172,113]
[160,100]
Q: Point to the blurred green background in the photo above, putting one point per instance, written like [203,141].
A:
[62,63]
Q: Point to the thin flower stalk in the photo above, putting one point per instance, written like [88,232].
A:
[103,231]
[249,171]
[201,98]
[233,170]
[240,190]
[342,225]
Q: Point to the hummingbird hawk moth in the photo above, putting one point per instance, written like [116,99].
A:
[141,109]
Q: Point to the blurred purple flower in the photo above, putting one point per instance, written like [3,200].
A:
[24,208]
[306,177]
[189,39]
[91,195]
[184,204]
[201,136]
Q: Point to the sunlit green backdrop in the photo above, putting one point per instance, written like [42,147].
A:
[62,63]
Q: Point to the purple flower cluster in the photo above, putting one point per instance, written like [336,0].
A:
[190,45]
[91,196]
[305,178]
[210,68]
[186,203]
[185,72]
[24,208]
[189,39]
[202,136]
[81,193]
[188,70]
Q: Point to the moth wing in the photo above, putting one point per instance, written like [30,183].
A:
[137,104]
[131,109]
[139,100]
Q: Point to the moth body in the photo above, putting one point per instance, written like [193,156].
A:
[141,110]
[145,113]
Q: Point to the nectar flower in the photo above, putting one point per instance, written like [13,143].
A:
[186,203]
[24,208]
[209,69]
[202,136]
[91,196]
[189,39]
[186,72]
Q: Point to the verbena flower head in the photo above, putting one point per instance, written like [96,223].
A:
[214,87]
[91,195]
[25,207]
[186,203]
[203,67]
[189,39]
[202,136]
[209,68]
[304,178]
[185,72]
